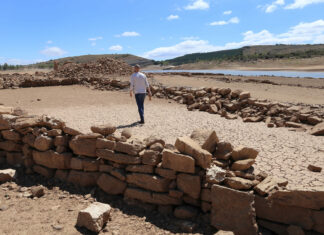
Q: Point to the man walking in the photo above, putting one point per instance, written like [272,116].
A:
[139,85]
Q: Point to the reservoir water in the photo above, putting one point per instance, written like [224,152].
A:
[298,74]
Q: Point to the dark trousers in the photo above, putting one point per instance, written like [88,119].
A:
[140,104]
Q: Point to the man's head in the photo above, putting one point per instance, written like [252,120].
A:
[137,68]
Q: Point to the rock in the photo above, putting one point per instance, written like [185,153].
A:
[314,168]
[38,191]
[244,95]
[52,159]
[81,146]
[239,183]
[313,120]
[318,129]
[6,109]
[269,185]
[71,131]
[222,232]
[105,130]
[215,175]
[157,147]
[253,119]
[132,148]
[205,194]
[7,175]
[207,139]
[150,157]
[11,135]
[57,227]
[62,175]
[94,217]
[213,108]
[140,168]
[166,173]
[224,91]
[242,165]
[295,230]
[153,140]
[149,182]
[189,184]
[127,133]
[185,212]
[111,185]
[14,159]
[189,146]
[44,171]
[233,210]
[118,157]
[102,143]
[10,146]
[242,153]
[60,141]
[178,162]
[187,226]
[223,151]
[84,179]
[29,139]
[293,125]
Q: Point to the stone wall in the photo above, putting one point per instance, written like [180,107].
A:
[199,175]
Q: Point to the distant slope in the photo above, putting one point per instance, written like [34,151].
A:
[128,58]
[250,53]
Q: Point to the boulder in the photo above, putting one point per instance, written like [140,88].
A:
[81,146]
[61,140]
[239,183]
[71,131]
[153,140]
[105,130]
[37,191]
[149,182]
[43,143]
[207,139]
[157,147]
[166,173]
[7,175]
[189,184]
[242,153]
[178,162]
[233,210]
[318,129]
[94,217]
[313,120]
[189,146]
[242,165]
[185,212]
[111,185]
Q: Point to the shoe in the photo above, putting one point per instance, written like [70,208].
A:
[141,122]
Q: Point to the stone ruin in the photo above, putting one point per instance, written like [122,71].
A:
[199,175]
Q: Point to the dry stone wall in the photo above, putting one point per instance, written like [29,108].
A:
[199,175]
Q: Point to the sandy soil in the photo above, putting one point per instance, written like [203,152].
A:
[295,90]
[57,211]
[282,152]
[29,71]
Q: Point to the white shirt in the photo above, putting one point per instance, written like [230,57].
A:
[138,83]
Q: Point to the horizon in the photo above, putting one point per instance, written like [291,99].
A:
[161,30]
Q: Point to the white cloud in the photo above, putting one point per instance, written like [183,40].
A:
[302,3]
[303,33]
[190,38]
[197,5]
[172,17]
[53,51]
[95,39]
[49,42]
[116,48]
[269,8]
[227,12]
[234,20]
[128,34]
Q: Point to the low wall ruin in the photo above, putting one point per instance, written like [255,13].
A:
[198,175]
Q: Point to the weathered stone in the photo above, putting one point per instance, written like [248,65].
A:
[269,185]
[7,175]
[313,120]
[239,183]
[11,135]
[157,147]
[207,139]
[253,119]
[43,143]
[149,182]
[52,159]
[233,210]
[310,197]
[127,133]
[80,146]
[223,150]
[62,175]
[111,185]
[6,109]
[189,184]
[215,175]
[76,163]
[178,162]
[150,157]
[166,173]
[140,168]
[314,168]
[318,129]
[105,144]
[10,146]
[29,139]
[105,168]
[119,173]
[153,140]
[242,165]
[61,140]
[175,193]
[44,171]
[94,217]
[189,146]
[224,91]
[90,164]
[222,232]
[106,129]
[242,153]
[318,221]
[131,148]
[84,179]
[117,157]
[185,212]
[293,125]
[37,191]
[272,211]
[244,95]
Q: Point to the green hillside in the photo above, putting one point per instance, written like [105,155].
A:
[250,53]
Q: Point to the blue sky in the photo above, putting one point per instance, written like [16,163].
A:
[39,30]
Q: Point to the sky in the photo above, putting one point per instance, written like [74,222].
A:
[39,30]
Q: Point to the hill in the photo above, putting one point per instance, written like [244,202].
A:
[252,53]
[127,58]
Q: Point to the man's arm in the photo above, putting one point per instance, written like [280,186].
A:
[148,88]
[131,87]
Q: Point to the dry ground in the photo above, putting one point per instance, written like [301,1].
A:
[282,152]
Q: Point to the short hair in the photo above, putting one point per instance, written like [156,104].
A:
[137,66]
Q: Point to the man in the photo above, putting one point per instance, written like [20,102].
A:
[139,85]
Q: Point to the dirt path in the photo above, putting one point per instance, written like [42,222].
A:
[282,152]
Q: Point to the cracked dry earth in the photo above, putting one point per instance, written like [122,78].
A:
[283,153]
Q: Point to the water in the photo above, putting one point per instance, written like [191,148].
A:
[295,74]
